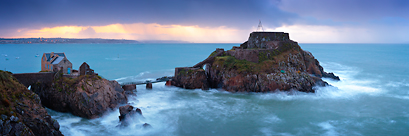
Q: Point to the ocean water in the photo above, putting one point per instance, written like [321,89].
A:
[372,97]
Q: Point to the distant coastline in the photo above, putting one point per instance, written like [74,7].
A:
[75,40]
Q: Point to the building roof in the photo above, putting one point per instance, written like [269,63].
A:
[48,55]
[57,60]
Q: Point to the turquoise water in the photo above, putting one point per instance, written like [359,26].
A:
[372,97]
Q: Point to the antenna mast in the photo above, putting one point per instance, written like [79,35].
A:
[260,26]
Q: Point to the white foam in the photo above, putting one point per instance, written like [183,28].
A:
[347,87]
[329,128]
[133,77]
[146,75]
[400,97]
[163,106]
[397,84]
[272,119]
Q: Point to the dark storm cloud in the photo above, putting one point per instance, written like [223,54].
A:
[207,13]
[348,10]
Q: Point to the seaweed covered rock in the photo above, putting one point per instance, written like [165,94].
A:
[190,78]
[86,96]
[21,110]
[268,61]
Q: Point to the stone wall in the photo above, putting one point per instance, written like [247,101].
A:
[262,39]
[28,79]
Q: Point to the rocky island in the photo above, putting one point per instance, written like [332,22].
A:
[268,61]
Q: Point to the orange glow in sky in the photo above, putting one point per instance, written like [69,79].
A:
[141,31]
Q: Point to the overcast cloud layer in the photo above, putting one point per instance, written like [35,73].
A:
[370,18]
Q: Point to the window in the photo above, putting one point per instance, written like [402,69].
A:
[45,65]
[48,67]
[51,67]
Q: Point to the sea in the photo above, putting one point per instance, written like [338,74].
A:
[372,97]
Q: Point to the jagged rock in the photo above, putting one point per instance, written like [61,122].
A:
[138,111]
[55,124]
[127,113]
[21,113]
[86,96]
[268,61]
[190,78]
[331,75]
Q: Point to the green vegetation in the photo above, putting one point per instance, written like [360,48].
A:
[267,55]
[268,62]
[68,85]
[229,63]
[213,53]
[184,72]
[11,93]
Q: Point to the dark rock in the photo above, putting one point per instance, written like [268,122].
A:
[127,113]
[146,125]
[55,124]
[149,85]
[331,75]
[138,111]
[25,116]
[20,129]
[7,127]
[87,96]
[165,78]
[125,110]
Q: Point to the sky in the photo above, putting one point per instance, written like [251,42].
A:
[208,21]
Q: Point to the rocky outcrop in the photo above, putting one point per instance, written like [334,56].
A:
[21,111]
[268,61]
[190,78]
[87,96]
[127,114]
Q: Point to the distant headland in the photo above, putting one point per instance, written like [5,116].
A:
[75,40]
